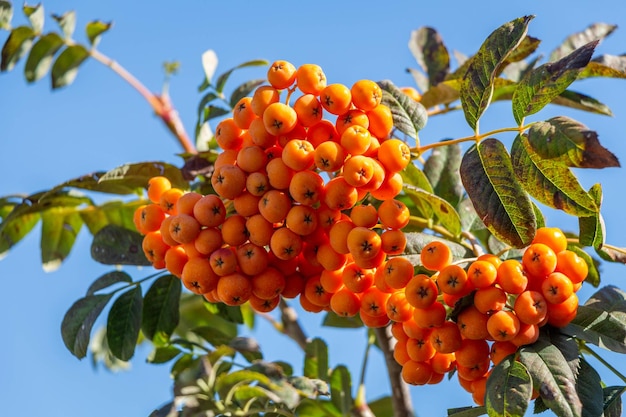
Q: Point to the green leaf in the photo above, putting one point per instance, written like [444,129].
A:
[409,117]
[443,210]
[6,14]
[95,29]
[212,112]
[509,389]
[430,53]
[317,408]
[613,401]
[477,85]
[467,411]
[65,67]
[525,48]
[160,313]
[136,175]
[550,182]
[67,23]
[163,354]
[226,381]
[581,101]
[244,89]
[552,375]
[593,276]
[444,93]
[118,213]
[17,44]
[498,198]
[341,389]
[60,227]
[591,228]
[332,319]
[412,175]
[221,80]
[35,16]
[108,279]
[381,406]
[13,228]
[316,359]
[442,170]
[92,182]
[209,65]
[597,69]
[548,81]
[569,143]
[249,348]
[215,334]
[602,320]
[116,245]
[594,32]
[124,323]
[590,391]
[78,321]
[40,57]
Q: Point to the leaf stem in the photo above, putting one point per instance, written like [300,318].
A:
[590,351]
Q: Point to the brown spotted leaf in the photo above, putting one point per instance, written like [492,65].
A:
[431,54]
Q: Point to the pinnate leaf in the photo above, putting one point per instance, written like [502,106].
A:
[575,100]
[316,359]
[431,53]
[594,32]
[78,321]
[65,67]
[60,227]
[95,29]
[161,314]
[17,44]
[124,323]
[6,14]
[35,15]
[117,245]
[543,84]
[498,198]
[108,279]
[477,85]
[509,389]
[442,170]
[590,391]
[40,58]
[67,23]
[136,175]
[409,117]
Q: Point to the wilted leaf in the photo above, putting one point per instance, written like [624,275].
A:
[548,81]
[59,230]
[116,245]
[526,47]
[477,84]
[95,29]
[499,199]
[78,321]
[594,32]
[65,67]
[409,116]
[161,314]
[613,401]
[17,44]
[509,389]
[40,57]
[108,279]
[124,323]
[431,54]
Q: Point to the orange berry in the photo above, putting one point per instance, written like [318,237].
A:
[472,323]
[420,349]
[380,121]
[572,265]
[228,135]
[263,96]
[279,174]
[310,79]
[208,240]
[446,338]
[315,292]
[223,261]
[345,303]
[234,289]
[339,195]
[355,139]
[559,315]
[308,109]
[279,118]
[453,280]
[210,211]
[552,237]
[398,308]
[366,94]
[436,255]
[416,373]
[363,243]
[285,244]
[394,214]
[556,288]
[153,246]
[263,306]
[198,276]
[329,156]
[393,242]
[175,259]
[531,307]
[373,302]
[298,154]
[252,259]
[472,352]
[394,154]
[539,260]
[306,187]
[184,228]
[187,202]
[500,350]
[168,200]
[228,181]
[398,272]
[389,188]
[281,74]
[503,325]
[482,274]
[512,277]
[150,218]
[274,206]
[234,232]
[336,98]
[421,291]
[328,258]
[156,187]
[357,279]
[373,321]
[268,284]
[489,299]
[352,117]
[364,215]
[243,113]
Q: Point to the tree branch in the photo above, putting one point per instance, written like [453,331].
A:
[400,396]
[291,325]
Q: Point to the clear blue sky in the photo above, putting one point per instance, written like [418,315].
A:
[100,123]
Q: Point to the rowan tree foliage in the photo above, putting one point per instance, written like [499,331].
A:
[296,189]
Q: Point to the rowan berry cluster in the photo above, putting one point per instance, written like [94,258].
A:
[511,300]
[304,200]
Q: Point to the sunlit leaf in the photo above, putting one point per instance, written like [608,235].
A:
[596,31]
[606,65]
[17,44]
[95,29]
[317,408]
[381,406]
[161,314]
[443,210]
[591,227]
[525,48]
[548,81]
[67,23]
[430,53]
[116,245]
[118,213]
[78,321]
[409,116]
[137,175]
[509,389]
[316,360]
[477,85]
[59,229]
[108,279]
[443,93]
[581,101]
[551,183]
[499,199]
[15,228]
[124,323]
[163,354]
[6,14]
[209,65]
[552,376]
[65,67]
[35,16]
[40,58]
[442,170]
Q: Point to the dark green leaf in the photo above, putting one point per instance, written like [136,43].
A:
[60,227]
[92,182]
[17,44]
[67,23]
[124,323]
[589,387]
[211,112]
[221,80]
[229,313]
[108,279]
[341,389]
[548,81]
[244,89]
[331,319]
[95,29]
[509,389]
[409,117]
[581,101]
[381,406]
[161,314]
[78,321]
[316,360]
[206,99]
[35,16]
[214,334]
[116,245]
[65,67]
[163,354]
[552,376]
[550,182]
[499,199]
[137,175]
[594,32]
[6,14]
[613,401]
[40,57]
[569,143]
[477,85]
[117,213]
[443,210]
[592,231]
[442,170]
[467,412]
[431,54]
[602,320]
